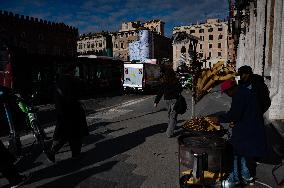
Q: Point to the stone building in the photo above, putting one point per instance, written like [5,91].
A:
[260,33]
[120,41]
[213,44]
[95,43]
[130,26]
[155,26]
[129,33]
[38,50]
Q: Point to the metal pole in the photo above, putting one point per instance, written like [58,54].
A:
[192,100]
[194,78]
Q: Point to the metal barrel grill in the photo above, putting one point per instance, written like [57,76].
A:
[201,158]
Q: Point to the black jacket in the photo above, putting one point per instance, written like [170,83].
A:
[260,88]
[248,134]
[170,91]
[71,118]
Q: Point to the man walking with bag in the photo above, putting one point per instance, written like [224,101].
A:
[171,89]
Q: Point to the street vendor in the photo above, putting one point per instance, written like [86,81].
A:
[248,133]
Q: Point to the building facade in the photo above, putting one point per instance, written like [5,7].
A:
[95,43]
[214,42]
[130,26]
[155,26]
[37,36]
[129,33]
[150,45]
[38,50]
[120,42]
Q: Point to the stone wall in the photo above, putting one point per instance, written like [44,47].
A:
[276,110]
[264,42]
[37,36]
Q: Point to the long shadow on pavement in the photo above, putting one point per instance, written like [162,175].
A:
[74,179]
[28,162]
[103,150]
[273,139]
[149,113]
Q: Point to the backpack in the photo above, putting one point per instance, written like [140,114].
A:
[180,106]
[262,92]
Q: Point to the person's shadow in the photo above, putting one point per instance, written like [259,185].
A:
[102,151]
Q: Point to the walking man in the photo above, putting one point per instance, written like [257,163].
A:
[71,125]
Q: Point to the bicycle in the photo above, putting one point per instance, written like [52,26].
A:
[30,112]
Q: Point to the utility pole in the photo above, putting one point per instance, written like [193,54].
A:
[195,70]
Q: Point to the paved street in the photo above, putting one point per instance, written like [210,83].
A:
[127,147]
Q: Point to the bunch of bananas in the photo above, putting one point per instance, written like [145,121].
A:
[202,124]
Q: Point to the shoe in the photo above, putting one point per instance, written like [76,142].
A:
[51,157]
[250,181]
[229,184]
[21,181]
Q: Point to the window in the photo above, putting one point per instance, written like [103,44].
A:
[92,45]
[88,45]
[126,34]
[202,38]
[230,38]
[219,45]
[40,37]
[220,29]
[192,31]
[183,50]
[201,30]
[116,46]
[219,54]
[100,45]
[121,45]
[209,54]
[200,46]
[210,37]
[210,30]
[210,45]
[200,55]
[220,37]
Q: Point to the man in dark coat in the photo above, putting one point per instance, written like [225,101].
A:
[248,134]
[258,86]
[71,123]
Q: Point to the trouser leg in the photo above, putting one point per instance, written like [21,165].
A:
[251,164]
[244,169]
[75,146]
[172,115]
[57,145]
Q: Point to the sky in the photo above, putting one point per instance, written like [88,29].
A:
[107,15]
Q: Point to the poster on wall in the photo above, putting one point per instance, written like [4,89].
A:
[141,50]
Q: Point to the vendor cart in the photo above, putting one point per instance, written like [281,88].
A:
[201,156]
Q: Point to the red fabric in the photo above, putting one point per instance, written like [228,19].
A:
[8,76]
[228,84]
